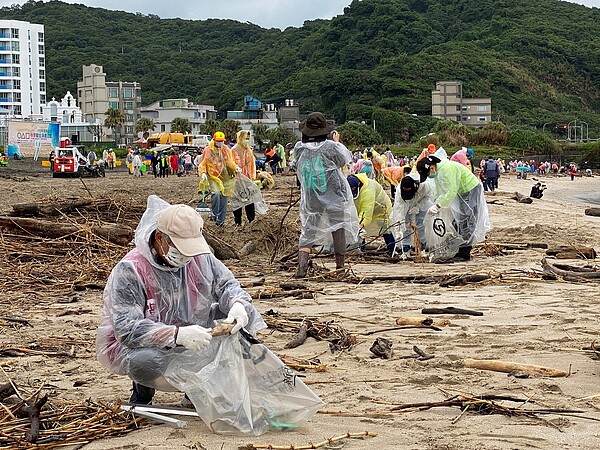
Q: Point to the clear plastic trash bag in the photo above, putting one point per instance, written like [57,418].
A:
[246,192]
[242,388]
[443,241]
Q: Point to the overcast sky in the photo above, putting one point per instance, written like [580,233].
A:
[266,13]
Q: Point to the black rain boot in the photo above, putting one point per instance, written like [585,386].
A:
[302,264]
[464,253]
[340,260]
[141,395]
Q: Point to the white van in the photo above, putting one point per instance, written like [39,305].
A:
[201,140]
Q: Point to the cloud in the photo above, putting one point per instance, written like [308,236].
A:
[266,13]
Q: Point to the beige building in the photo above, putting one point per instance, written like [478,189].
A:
[447,103]
[96,96]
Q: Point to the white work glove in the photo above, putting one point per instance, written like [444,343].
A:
[362,233]
[238,314]
[413,211]
[203,177]
[193,337]
[433,210]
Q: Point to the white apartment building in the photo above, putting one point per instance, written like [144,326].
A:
[22,69]
[164,112]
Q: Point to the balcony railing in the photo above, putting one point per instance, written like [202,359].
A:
[5,86]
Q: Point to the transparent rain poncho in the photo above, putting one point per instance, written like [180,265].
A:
[326,203]
[144,302]
[373,206]
[400,218]
[459,190]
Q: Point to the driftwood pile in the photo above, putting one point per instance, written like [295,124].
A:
[337,336]
[34,421]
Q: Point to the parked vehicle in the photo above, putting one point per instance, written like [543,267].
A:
[67,161]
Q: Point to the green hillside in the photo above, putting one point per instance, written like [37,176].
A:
[539,60]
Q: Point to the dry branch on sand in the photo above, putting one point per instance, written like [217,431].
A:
[36,422]
[337,336]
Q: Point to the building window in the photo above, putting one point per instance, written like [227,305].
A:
[43,75]
[482,119]
[481,108]
[128,105]
[14,46]
[17,97]
[15,33]
[129,118]
[42,86]
[42,98]
[162,128]
[17,85]
[127,93]
[113,105]
[16,59]
[129,129]
[465,108]
[458,118]
[42,62]
[41,37]
[41,49]
[113,92]
[16,71]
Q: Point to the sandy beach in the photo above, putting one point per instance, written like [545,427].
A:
[526,319]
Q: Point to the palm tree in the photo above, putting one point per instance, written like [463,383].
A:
[230,128]
[210,127]
[114,120]
[259,130]
[181,125]
[143,125]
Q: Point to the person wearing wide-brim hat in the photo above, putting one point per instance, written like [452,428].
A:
[327,212]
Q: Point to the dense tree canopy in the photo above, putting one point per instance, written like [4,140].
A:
[539,60]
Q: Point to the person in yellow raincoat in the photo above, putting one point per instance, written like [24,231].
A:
[264,180]
[378,162]
[218,170]
[280,149]
[244,158]
[374,207]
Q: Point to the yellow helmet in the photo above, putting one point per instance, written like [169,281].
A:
[219,136]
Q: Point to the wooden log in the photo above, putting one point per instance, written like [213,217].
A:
[248,248]
[220,248]
[221,329]
[572,252]
[6,390]
[415,321]
[421,322]
[451,310]
[569,275]
[507,367]
[51,209]
[300,337]
[592,212]
[522,198]
[117,234]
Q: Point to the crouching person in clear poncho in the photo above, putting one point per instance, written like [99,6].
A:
[163,298]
